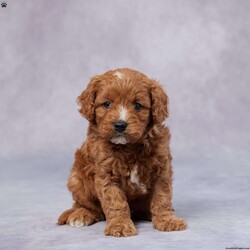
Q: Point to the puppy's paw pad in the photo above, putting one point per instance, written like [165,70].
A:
[170,223]
[120,228]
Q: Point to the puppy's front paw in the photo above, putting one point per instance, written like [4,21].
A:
[169,223]
[120,228]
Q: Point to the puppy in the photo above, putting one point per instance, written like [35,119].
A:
[123,170]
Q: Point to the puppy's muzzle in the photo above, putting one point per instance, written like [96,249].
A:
[120,126]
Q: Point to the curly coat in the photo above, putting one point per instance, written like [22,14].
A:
[123,173]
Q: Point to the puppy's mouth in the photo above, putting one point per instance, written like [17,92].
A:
[119,139]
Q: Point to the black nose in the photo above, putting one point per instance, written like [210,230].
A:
[120,126]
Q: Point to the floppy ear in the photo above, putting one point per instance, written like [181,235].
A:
[87,99]
[159,100]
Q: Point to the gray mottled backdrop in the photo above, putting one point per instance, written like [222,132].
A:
[198,50]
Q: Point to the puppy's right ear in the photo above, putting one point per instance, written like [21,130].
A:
[86,100]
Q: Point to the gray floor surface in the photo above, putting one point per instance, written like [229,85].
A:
[212,196]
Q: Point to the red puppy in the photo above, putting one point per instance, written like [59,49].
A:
[123,170]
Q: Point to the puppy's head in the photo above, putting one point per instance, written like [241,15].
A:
[122,104]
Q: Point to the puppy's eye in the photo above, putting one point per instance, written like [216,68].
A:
[138,106]
[107,104]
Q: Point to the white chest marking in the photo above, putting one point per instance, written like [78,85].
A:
[134,177]
[135,180]
[123,114]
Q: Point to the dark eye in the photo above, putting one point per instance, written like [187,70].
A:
[138,106]
[107,105]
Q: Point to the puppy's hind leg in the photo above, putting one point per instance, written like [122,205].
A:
[87,209]
[79,216]
[63,218]
[83,217]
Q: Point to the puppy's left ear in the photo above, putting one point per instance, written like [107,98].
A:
[159,101]
[86,100]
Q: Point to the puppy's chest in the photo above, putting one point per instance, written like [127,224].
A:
[137,179]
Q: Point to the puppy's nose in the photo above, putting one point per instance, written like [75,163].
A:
[120,126]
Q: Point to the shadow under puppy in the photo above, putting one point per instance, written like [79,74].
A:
[123,170]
